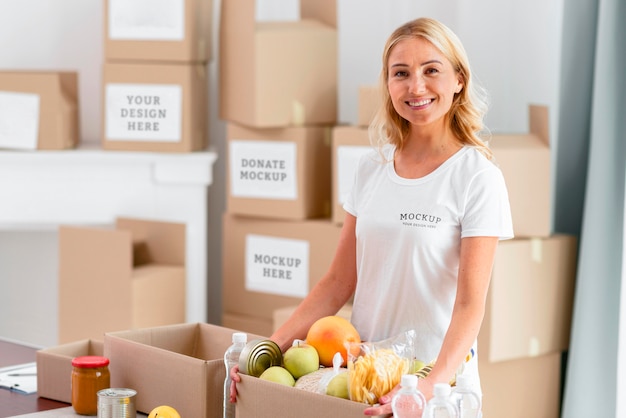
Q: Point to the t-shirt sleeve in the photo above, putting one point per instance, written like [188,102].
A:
[487,209]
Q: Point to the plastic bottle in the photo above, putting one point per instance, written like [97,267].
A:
[409,401]
[231,358]
[467,400]
[441,404]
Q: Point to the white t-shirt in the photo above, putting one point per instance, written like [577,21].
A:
[408,241]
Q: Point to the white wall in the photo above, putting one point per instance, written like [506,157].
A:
[514,48]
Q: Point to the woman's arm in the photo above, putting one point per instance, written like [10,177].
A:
[330,294]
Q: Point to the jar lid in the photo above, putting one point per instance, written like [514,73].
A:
[90,362]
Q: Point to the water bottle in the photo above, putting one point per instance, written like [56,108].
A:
[441,404]
[408,402]
[467,400]
[231,358]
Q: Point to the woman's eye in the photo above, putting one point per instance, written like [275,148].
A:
[431,71]
[400,74]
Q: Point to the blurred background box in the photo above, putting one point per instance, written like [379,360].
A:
[145,30]
[39,110]
[281,173]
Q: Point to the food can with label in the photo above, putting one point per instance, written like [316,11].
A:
[117,403]
[258,356]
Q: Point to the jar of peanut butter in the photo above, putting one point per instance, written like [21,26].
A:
[89,375]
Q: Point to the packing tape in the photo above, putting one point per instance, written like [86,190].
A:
[536,249]
[533,347]
[297,113]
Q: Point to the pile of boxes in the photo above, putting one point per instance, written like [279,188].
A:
[278,95]
[155,89]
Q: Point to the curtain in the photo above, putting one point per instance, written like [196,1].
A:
[593,384]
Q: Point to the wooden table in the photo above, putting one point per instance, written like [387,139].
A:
[13,403]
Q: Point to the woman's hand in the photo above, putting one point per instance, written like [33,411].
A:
[235,378]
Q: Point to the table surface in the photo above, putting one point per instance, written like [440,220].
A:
[13,403]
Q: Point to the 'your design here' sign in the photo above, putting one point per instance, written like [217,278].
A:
[277,265]
[263,169]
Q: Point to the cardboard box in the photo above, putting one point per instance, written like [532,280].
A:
[370,100]
[39,110]
[282,314]
[174,31]
[54,367]
[526,165]
[251,324]
[261,399]
[529,387]
[279,173]
[350,143]
[269,264]
[129,276]
[179,365]
[276,74]
[529,305]
[154,107]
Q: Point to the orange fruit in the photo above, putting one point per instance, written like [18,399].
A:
[329,335]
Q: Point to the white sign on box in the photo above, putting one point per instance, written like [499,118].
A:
[147,20]
[144,112]
[277,265]
[347,162]
[263,169]
[19,120]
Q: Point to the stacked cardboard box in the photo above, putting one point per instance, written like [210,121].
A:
[38,110]
[278,95]
[155,90]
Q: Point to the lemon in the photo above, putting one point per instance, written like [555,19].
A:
[164,411]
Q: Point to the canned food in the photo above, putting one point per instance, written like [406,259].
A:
[117,403]
[258,356]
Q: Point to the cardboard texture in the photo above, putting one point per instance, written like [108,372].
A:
[251,324]
[261,399]
[277,74]
[526,165]
[54,367]
[529,387]
[154,107]
[111,279]
[282,314]
[179,365]
[180,32]
[279,173]
[529,305]
[258,276]
[349,144]
[370,100]
[39,110]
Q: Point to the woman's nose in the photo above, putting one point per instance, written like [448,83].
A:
[417,84]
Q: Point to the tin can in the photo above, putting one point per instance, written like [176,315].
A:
[258,356]
[117,403]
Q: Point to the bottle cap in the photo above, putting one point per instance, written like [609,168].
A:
[463,381]
[240,337]
[441,389]
[408,381]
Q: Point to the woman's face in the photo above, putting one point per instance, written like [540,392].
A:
[422,82]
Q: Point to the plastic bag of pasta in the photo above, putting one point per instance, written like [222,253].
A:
[374,368]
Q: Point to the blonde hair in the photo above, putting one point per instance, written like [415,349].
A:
[468,106]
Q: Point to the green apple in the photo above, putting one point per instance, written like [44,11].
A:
[278,374]
[416,366]
[338,386]
[300,359]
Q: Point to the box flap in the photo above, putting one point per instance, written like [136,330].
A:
[159,242]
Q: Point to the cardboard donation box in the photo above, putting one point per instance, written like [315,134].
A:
[282,314]
[179,365]
[176,30]
[370,100]
[246,323]
[278,73]
[269,264]
[279,173]
[38,110]
[525,163]
[261,399]
[112,279]
[54,367]
[529,305]
[154,107]
[350,143]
